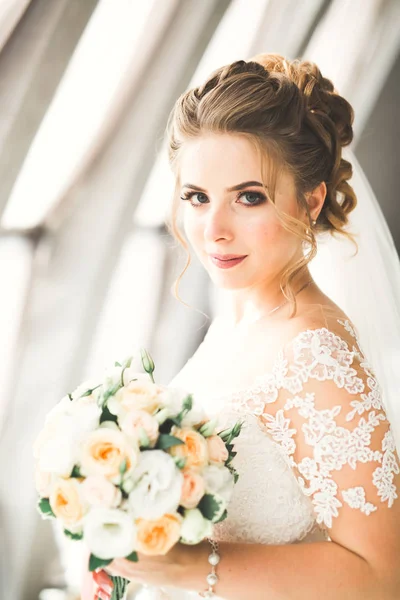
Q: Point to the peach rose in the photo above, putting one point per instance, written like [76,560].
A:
[66,501]
[103,452]
[135,420]
[192,489]
[157,537]
[194,449]
[137,395]
[217,451]
[98,491]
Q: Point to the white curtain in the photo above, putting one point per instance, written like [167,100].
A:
[11,12]
[107,63]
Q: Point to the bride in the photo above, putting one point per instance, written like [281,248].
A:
[257,156]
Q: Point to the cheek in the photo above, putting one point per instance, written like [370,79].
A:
[192,228]
[262,234]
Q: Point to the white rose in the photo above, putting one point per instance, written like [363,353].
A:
[57,446]
[219,482]
[109,533]
[195,527]
[173,402]
[158,485]
[59,453]
[98,491]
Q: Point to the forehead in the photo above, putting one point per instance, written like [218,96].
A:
[218,161]
[215,157]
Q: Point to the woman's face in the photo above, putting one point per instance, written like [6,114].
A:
[242,222]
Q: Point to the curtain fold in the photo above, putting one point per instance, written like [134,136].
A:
[11,11]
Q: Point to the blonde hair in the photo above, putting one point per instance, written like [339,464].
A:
[296,121]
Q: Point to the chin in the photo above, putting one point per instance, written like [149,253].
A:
[228,283]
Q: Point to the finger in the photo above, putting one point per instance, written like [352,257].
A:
[102,595]
[103,580]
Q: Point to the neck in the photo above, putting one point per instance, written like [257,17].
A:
[244,308]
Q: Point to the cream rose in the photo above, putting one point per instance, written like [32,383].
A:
[195,527]
[103,452]
[157,537]
[217,451]
[66,501]
[219,482]
[137,421]
[194,448]
[98,491]
[192,490]
[137,395]
[43,482]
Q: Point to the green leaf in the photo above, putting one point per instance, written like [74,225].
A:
[95,562]
[167,441]
[123,466]
[117,364]
[210,507]
[180,462]
[188,403]
[106,415]
[76,472]
[133,557]
[119,587]
[222,517]
[45,508]
[73,536]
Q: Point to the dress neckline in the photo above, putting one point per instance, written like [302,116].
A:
[254,387]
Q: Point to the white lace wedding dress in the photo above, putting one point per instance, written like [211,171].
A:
[315,443]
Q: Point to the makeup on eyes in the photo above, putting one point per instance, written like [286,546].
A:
[261,198]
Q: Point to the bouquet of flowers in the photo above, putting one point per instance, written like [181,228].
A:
[131,466]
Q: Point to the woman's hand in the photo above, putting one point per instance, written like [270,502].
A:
[95,584]
[167,570]
[152,570]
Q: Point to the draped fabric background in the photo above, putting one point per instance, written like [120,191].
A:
[85,260]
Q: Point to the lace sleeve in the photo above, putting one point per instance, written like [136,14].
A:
[326,413]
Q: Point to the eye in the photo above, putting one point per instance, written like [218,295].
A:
[256,198]
[190,195]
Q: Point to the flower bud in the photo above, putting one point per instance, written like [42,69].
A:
[147,361]
[208,428]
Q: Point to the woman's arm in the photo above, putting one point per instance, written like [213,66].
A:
[290,572]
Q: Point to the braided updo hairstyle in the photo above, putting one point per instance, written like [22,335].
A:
[296,121]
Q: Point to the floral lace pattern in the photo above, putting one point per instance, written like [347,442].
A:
[321,355]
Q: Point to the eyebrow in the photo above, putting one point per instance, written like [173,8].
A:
[235,188]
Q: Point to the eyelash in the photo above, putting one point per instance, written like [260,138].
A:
[261,198]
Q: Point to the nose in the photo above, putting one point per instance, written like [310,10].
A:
[218,225]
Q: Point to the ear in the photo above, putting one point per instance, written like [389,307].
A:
[315,200]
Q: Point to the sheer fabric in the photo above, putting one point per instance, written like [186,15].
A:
[316,456]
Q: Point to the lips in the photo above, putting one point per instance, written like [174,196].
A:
[226,263]
[227,256]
